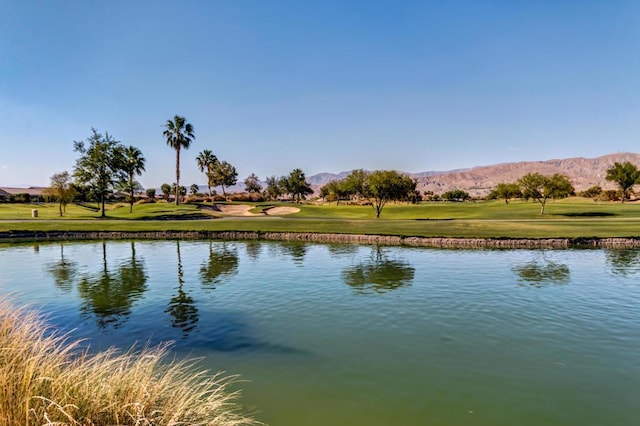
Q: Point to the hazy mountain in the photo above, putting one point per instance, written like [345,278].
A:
[479,181]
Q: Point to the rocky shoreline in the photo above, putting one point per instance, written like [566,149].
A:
[433,242]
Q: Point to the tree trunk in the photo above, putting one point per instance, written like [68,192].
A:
[131,194]
[178,175]
[103,197]
[60,208]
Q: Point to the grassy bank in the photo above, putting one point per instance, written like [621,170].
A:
[571,218]
[48,380]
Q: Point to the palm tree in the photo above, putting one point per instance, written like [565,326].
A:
[205,161]
[179,134]
[132,164]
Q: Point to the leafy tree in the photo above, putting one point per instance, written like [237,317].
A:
[252,184]
[205,161]
[354,184]
[99,165]
[151,193]
[541,187]
[625,175]
[296,185]
[334,191]
[592,192]
[166,190]
[194,189]
[223,174]
[179,134]
[274,188]
[456,195]
[506,191]
[383,186]
[61,190]
[132,165]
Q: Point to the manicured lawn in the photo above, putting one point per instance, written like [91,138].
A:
[574,217]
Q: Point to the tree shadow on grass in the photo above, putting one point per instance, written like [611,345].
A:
[588,214]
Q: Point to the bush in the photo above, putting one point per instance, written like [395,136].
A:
[247,197]
[48,379]
[609,195]
[20,198]
[593,192]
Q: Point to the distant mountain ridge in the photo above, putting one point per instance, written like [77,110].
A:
[479,181]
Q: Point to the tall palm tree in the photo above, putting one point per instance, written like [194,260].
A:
[178,134]
[132,164]
[205,161]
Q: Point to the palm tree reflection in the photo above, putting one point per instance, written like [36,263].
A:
[182,306]
[109,296]
[378,274]
[253,249]
[296,250]
[221,264]
[63,271]
[623,261]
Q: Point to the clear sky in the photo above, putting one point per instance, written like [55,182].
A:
[321,85]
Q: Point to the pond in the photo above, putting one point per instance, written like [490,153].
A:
[363,335]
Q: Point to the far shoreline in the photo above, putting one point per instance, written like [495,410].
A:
[342,238]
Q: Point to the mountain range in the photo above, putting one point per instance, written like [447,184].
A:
[479,181]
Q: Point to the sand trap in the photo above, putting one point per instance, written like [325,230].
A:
[236,210]
[244,210]
[282,210]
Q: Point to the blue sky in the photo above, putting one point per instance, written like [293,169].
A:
[321,85]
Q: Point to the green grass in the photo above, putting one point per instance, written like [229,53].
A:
[570,218]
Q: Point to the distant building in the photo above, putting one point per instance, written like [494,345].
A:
[34,192]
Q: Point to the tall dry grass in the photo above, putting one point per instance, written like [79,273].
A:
[48,379]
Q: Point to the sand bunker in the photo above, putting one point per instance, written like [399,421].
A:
[236,210]
[282,210]
[244,210]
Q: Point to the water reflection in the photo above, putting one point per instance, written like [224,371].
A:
[221,264]
[623,261]
[182,307]
[379,274]
[342,249]
[63,271]
[253,249]
[109,296]
[296,250]
[542,272]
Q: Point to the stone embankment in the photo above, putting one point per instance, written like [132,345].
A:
[435,242]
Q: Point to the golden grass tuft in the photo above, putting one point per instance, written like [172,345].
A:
[48,379]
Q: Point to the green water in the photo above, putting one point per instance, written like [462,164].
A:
[361,335]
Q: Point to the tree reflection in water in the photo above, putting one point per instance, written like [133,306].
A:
[182,307]
[623,261]
[542,272]
[109,296]
[63,271]
[222,264]
[253,249]
[378,274]
[296,250]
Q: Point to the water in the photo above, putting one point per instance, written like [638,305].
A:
[361,335]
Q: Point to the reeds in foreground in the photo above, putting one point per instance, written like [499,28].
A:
[48,379]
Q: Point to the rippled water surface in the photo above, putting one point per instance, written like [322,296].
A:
[362,335]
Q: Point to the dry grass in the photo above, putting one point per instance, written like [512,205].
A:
[48,379]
